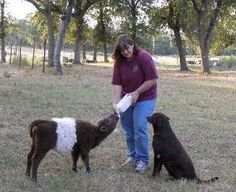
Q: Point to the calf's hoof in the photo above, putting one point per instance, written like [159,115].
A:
[74,169]
[27,174]
[36,183]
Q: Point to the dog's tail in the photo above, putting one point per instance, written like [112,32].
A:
[207,181]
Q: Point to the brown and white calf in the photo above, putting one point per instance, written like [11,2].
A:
[66,134]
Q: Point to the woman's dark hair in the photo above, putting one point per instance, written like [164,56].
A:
[122,42]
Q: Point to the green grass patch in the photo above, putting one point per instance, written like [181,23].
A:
[201,110]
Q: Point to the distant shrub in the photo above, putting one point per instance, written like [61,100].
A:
[67,64]
[228,62]
[16,60]
[26,60]
[38,61]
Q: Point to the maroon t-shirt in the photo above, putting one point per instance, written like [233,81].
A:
[132,74]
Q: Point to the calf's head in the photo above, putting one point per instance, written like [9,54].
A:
[108,124]
[158,121]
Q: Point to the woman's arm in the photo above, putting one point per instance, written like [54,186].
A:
[116,95]
[144,87]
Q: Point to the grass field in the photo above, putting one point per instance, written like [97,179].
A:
[202,111]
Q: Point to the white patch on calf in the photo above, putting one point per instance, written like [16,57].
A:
[66,134]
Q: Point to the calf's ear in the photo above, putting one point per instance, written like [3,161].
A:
[104,122]
[103,128]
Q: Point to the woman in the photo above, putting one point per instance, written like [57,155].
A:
[134,73]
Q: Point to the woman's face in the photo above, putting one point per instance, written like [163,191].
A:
[128,51]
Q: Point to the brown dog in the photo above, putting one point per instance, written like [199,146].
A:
[169,152]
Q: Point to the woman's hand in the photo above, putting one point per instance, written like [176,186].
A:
[135,96]
[114,107]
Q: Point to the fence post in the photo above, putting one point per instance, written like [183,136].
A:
[10,53]
[20,56]
[44,54]
[33,54]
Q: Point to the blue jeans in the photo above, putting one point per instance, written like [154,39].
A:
[135,125]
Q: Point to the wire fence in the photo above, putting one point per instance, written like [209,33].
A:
[20,53]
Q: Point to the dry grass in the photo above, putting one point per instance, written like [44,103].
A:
[202,110]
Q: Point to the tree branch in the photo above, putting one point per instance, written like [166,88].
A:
[136,3]
[37,6]
[128,2]
[213,20]
[88,4]
[195,6]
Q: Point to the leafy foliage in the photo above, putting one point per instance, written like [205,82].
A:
[17,32]
[132,16]
[144,19]
[228,62]
[225,33]
[102,31]
[38,22]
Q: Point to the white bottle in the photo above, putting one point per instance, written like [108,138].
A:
[124,103]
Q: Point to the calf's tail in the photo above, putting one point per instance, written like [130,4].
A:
[32,125]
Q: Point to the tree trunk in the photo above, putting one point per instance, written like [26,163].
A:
[80,9]
[51,38]
[2,32]
[78,36]
[59,42]
[202,41]
[134,23]
[205,27]
[78,44]
[84,52]
[105,52]
[173,21]
[204,50]
[95,53]
[46,10]
[181,51]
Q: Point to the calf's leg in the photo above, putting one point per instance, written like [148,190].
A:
[40,150]
[85,158]
[36,159]
[75,156]
[29,160]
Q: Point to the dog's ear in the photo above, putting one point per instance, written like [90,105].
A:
[154,120]
[149,119]
[167,118]
[158,121]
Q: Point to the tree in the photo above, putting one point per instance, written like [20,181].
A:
[133,13]
[102,30]
[46,8]
[171,14]
[225,33]
[207,14]
[59,42]
[81,7]
[90,37]
[34,35]
[2,31]
[174,22]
